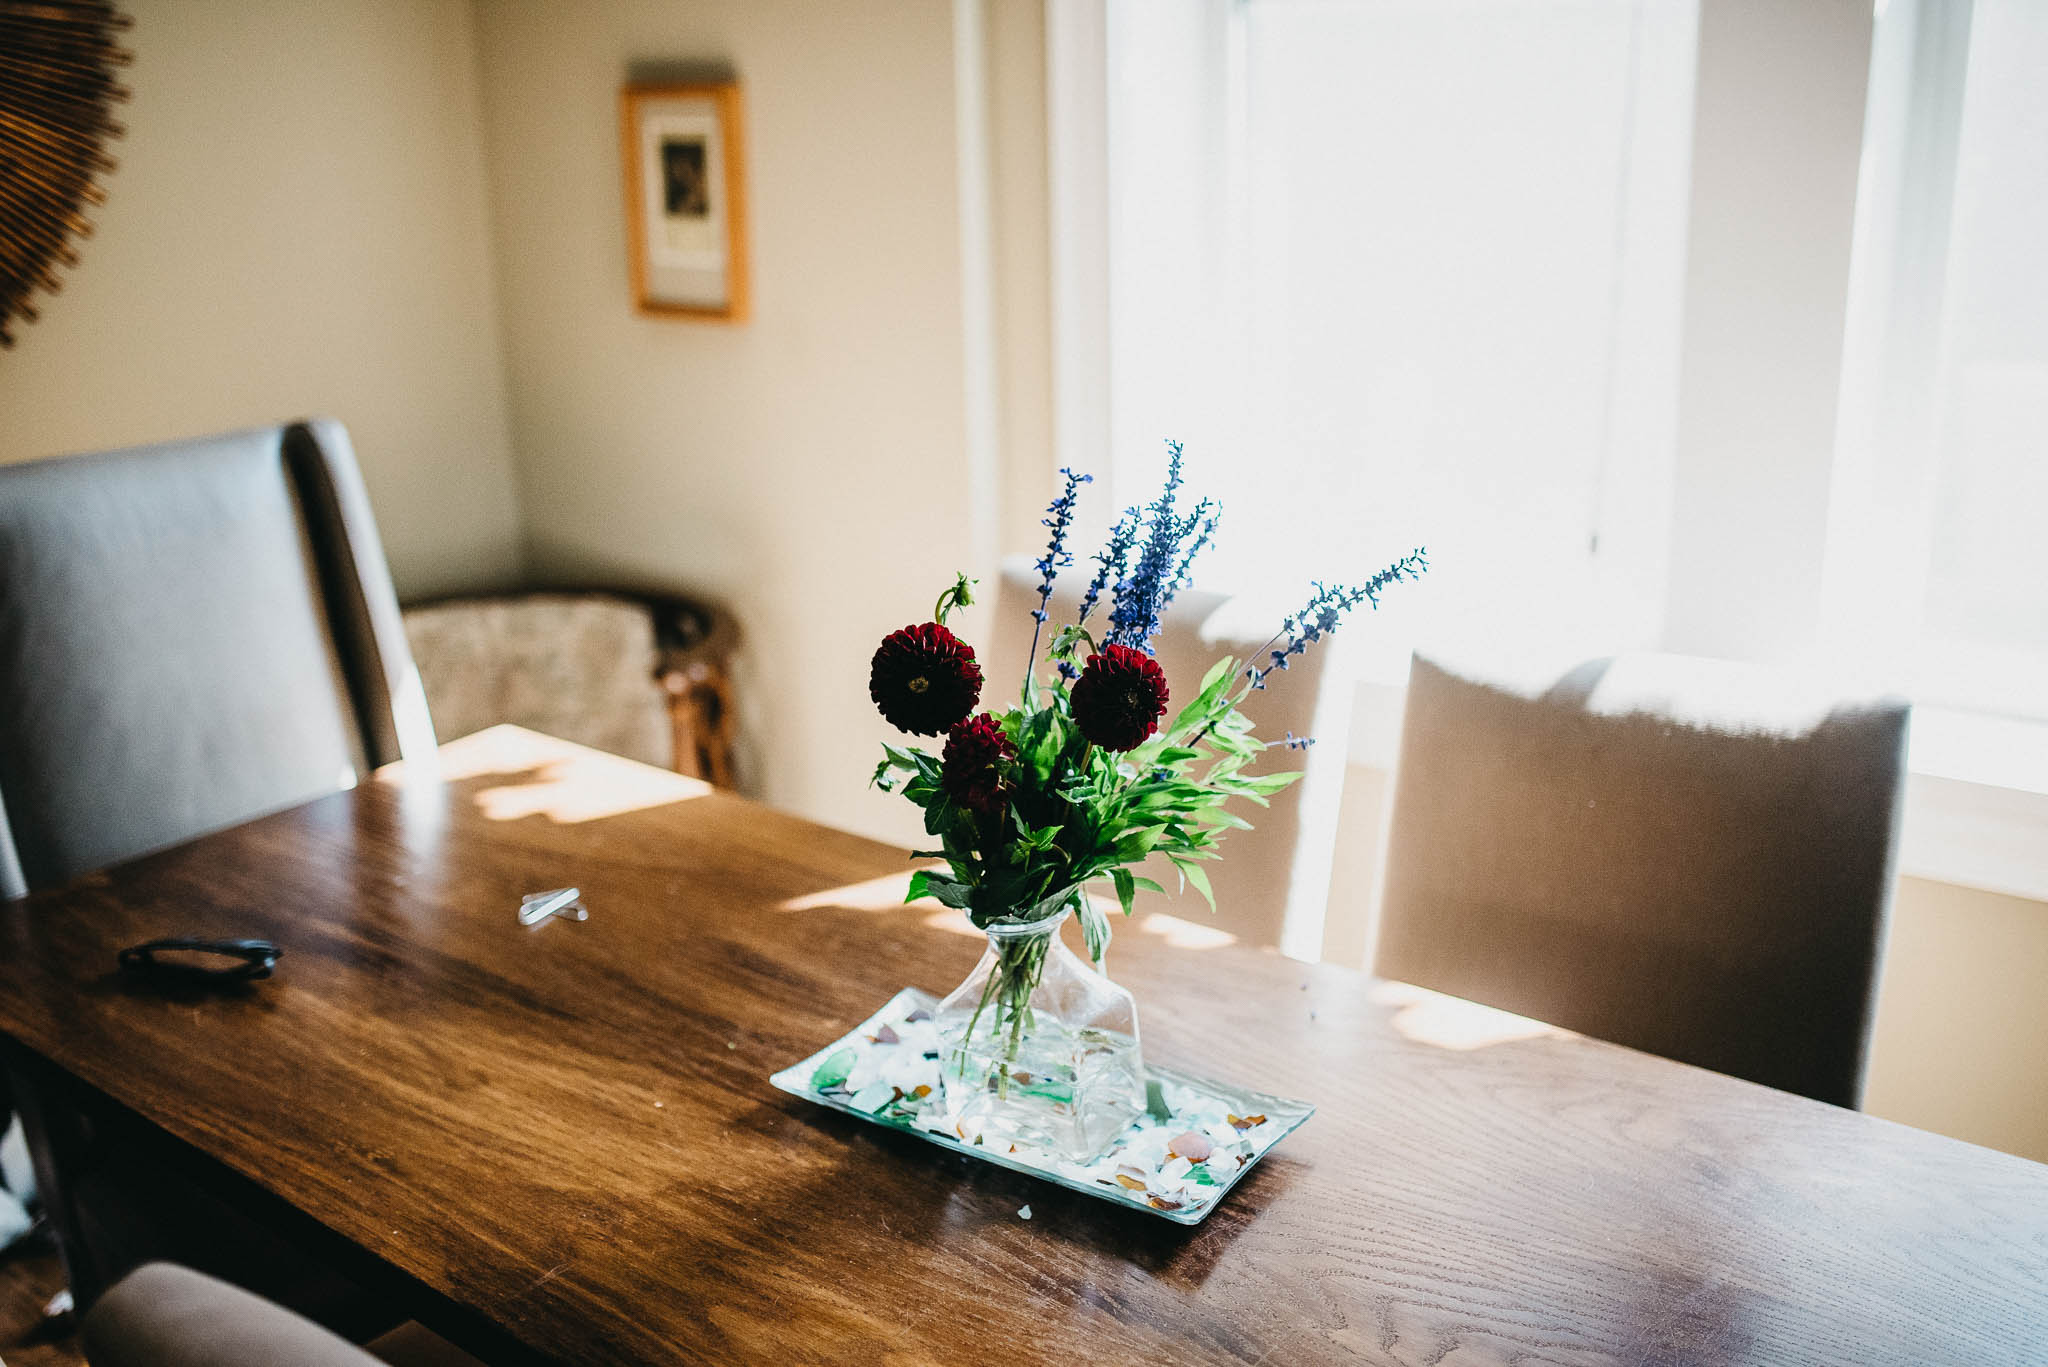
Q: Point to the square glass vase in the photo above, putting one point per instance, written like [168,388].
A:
[1038,1048]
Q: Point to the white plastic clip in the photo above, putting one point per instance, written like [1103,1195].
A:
[566,903]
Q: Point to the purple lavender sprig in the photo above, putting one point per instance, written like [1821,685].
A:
[1162,570]
[1059,516]
[1203,522]
[1134,616]
[1318,617]
[1110,561]
[1325,609]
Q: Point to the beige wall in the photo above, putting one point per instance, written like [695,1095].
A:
[1961,1013]
[298,225]
[1963,1018]
[806,467]
[1022,252]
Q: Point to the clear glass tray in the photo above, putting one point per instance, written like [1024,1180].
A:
[1176,1161]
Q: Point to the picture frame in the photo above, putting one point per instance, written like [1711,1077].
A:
[686,214]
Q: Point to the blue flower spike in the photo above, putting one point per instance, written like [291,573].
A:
[1059,516]
[1165,564]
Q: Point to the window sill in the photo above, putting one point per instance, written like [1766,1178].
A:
[1977,803]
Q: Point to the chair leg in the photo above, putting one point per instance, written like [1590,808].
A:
[700,721]
[57,1145]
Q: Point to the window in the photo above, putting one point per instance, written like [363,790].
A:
[1435,268]
[1938,562]
[1412,270]
[1420,268]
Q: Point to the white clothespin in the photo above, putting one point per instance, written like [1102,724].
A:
[566,903]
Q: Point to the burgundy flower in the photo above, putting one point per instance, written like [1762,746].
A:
[972,767]
[1119,698]
[924,679]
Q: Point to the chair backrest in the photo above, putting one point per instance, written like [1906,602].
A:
[1685,856]
[580,666]
[190,635]
[1272,876]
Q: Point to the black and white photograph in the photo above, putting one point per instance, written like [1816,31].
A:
[686,188]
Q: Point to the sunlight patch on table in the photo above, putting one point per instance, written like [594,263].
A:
[953,922]
[546,777]
[875,894]
[569,792]
[1185,934]
[1452,1022]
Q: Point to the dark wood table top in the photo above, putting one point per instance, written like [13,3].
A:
[568,1131]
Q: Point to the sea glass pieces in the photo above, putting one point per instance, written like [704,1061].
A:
[886,1070]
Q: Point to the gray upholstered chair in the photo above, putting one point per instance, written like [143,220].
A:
[190,635]
[163,1315]
[1689,857]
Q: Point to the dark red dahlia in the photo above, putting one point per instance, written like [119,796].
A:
[1119,698]
[972,767]
[924,679]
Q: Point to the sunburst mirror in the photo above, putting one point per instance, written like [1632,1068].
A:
[58,60]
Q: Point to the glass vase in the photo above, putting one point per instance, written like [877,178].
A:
[1038,1048]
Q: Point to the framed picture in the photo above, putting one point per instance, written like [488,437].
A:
[685,199]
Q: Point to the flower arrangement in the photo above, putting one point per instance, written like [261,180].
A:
[1084,778]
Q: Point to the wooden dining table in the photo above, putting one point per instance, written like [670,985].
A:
[558,1143]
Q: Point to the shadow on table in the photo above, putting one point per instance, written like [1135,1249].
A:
[178,990]
[930,1196]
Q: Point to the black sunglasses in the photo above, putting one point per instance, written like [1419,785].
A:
[242,959]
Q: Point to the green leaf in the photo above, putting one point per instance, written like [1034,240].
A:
[1126,887]
[1218,672]
[1226,819]
[1213,684]
[1139,843]
[1068,639]
[1196,875]
[916,761]
[1094,929]
[950,891]
[920,886]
